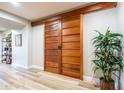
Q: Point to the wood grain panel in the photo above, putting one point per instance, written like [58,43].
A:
[71,31]
[71,60]
[72,66]
[52,39]
[52,64]
[52,52]
[51,23]
[71,38]
[70,52]
[52,27]
[52,59]
[81,45]
[71,73]
[51,33]
[51,46]
[71,23]
[52,69]
[70,18]
[71,45]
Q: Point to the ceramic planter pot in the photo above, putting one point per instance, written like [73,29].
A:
[107,85]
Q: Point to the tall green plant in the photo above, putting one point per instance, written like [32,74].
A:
[108,53]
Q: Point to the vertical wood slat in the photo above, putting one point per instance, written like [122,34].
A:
[81,46]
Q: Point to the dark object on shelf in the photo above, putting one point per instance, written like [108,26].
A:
[7,49]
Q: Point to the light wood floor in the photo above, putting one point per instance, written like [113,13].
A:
[34,79]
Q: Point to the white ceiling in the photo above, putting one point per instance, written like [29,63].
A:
[35,10]
[6,24]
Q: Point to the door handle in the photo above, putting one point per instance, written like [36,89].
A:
[59,47]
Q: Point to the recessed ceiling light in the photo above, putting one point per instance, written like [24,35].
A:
[15,3]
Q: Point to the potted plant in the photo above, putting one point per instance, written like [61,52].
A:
[108,57]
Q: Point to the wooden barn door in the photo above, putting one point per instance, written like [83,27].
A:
[53,46]
[63,47]
[71,47]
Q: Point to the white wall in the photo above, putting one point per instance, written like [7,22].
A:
[120,16]
[20,55]
[38,46]
[100,21]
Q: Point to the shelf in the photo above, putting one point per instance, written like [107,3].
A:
[7,49]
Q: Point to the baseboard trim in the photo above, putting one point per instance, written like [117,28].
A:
[35,66]
[28,67]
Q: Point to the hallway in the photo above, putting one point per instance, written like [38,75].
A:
[61,46]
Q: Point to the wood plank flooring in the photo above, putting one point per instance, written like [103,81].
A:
[12,78]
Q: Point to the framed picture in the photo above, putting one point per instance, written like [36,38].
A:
[18,40]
